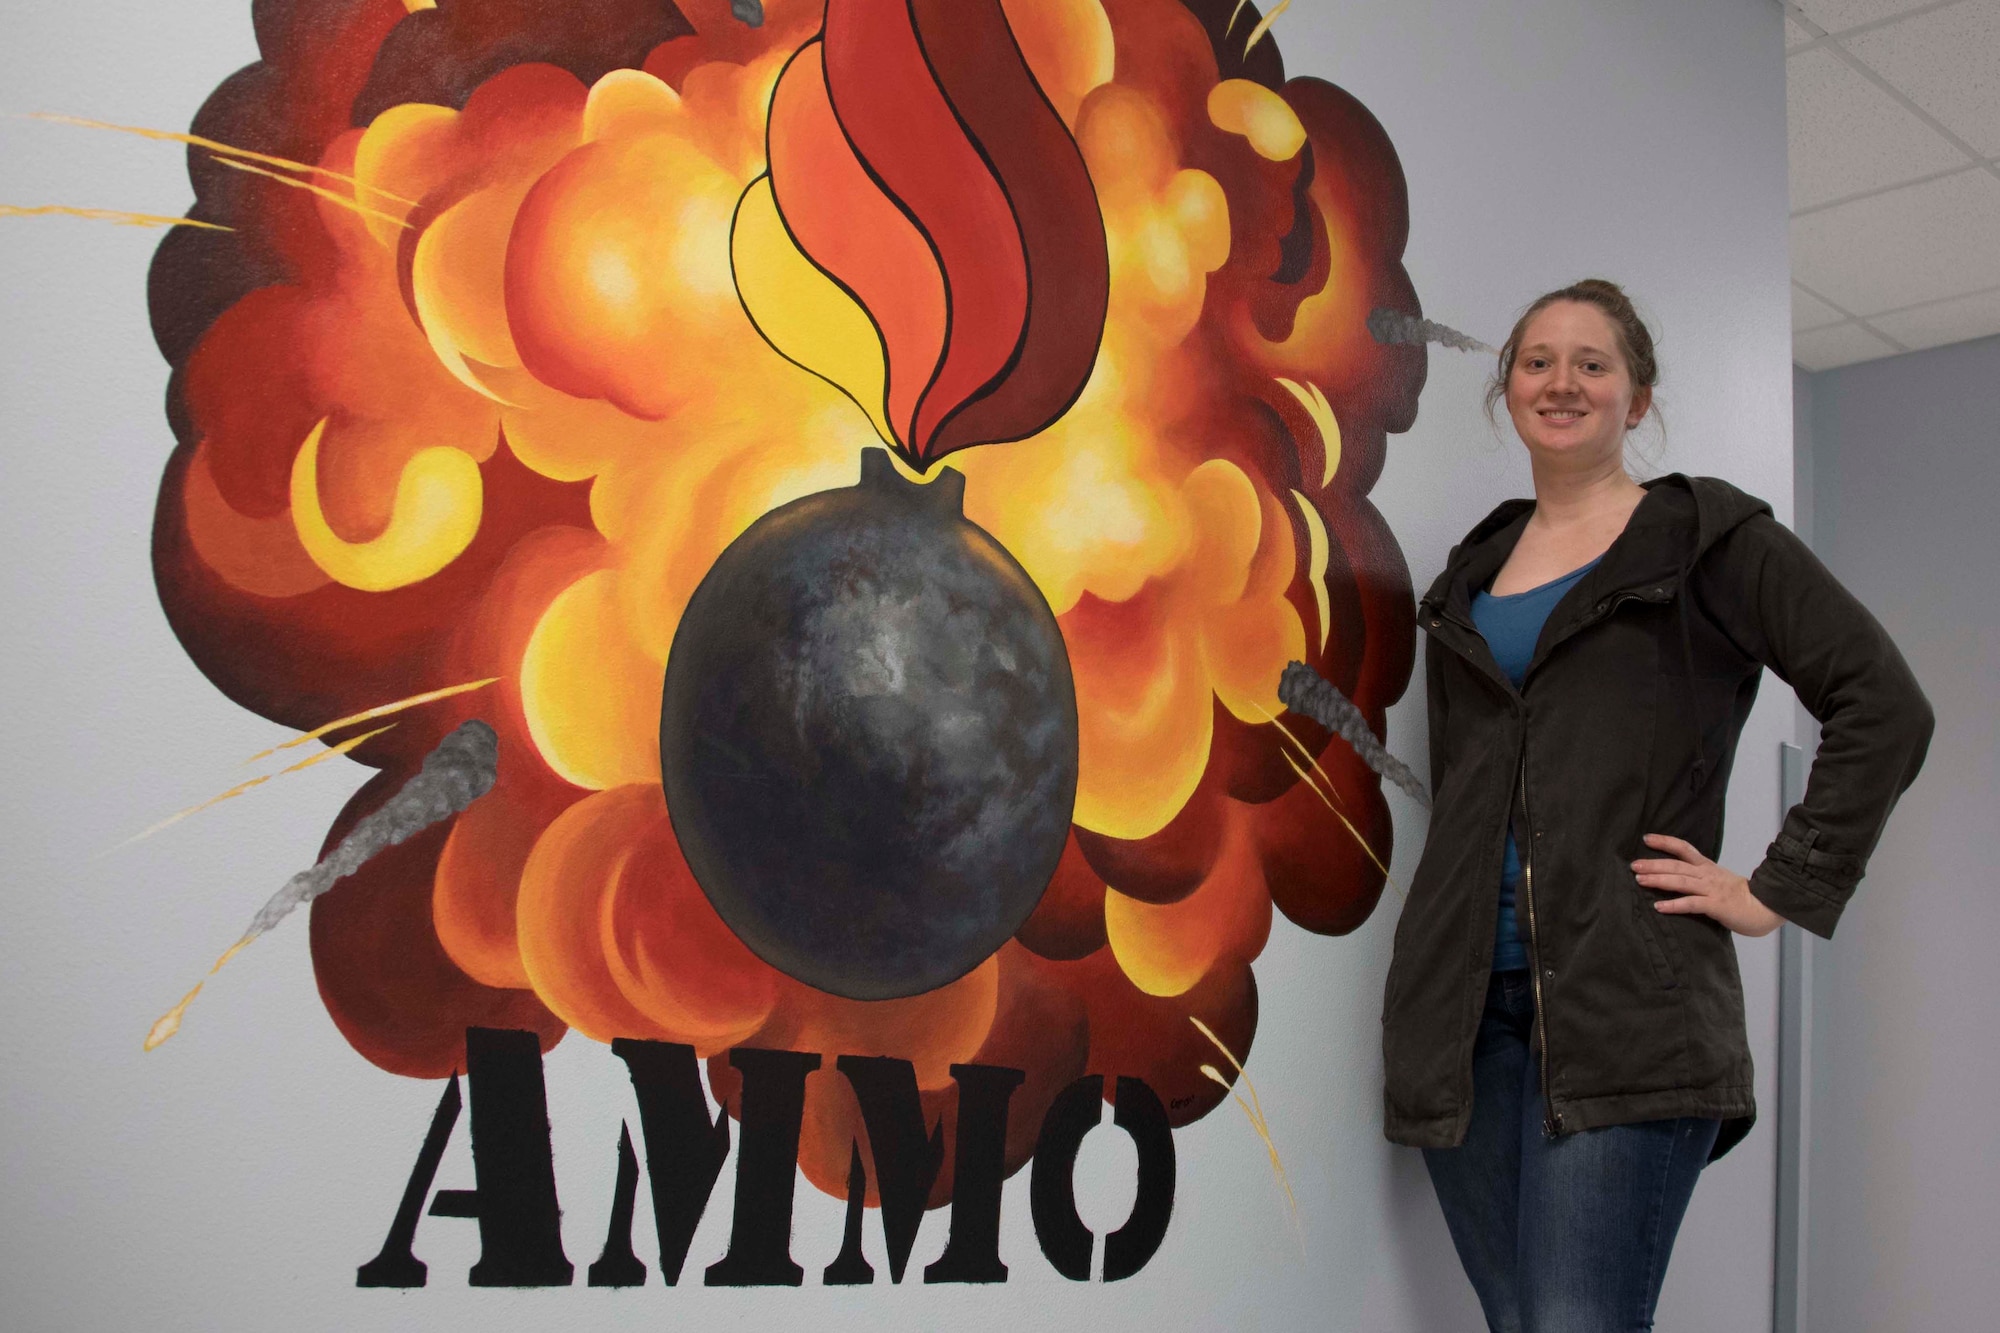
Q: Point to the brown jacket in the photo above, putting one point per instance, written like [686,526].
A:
[1625,724]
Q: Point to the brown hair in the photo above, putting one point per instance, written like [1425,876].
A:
[1635,340]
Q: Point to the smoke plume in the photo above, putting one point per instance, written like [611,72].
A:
[458,772]
[1304,690]
[1395,327]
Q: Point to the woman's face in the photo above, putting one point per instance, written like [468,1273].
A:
[1570,393]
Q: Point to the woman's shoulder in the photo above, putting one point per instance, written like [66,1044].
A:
[1721,503]
[1714,511]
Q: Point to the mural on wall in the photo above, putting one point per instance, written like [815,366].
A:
[862,466]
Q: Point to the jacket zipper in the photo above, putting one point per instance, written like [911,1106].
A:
[1551,1118]
[1551,1121]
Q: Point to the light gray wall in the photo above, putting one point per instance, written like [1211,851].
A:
[233,1179]
[1905,1194]
[1802,454]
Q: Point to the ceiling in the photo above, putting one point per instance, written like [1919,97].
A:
[1894,127]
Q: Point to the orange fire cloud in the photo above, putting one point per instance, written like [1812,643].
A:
[505,429]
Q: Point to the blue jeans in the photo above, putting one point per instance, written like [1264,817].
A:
[1562,1235]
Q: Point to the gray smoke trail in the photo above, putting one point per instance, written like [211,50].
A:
[458,772]
[750,11]
[1396,327]
[1304,690]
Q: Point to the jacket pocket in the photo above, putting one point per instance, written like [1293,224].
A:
[1653,937]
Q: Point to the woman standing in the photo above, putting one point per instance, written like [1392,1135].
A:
[1563,1029]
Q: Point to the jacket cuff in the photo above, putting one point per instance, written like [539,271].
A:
[1802,883]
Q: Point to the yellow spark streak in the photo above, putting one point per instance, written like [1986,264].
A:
[242,787]
[1330,787]
[1230,1056]
[1319,554]
[222,149]
[170,1021]
[1257,33]
[1321,412]
[320,190]
[1234,14]
[1391,879]
[118,216]
[1253,1110]
[1291,736]
[370,714]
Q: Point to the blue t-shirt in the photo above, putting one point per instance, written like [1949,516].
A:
[1512,624]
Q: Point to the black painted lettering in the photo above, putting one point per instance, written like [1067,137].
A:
[616,1265]
[1052,1188]
[684,1148]
[1139,1113]
[397,1265]
[907,1157]
[979,1169]
[850,1268]
[760,1234]
[1066,1242]
[520,1222]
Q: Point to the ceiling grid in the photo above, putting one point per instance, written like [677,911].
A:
[1894,130]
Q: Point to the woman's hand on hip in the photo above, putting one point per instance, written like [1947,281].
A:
[1704,888]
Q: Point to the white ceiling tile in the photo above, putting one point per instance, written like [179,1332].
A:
[1795,36]
[1953,321]
[1948,63]
[1836,15]
[1841,345]
[1919,243]
[1846,135]
[1809,312]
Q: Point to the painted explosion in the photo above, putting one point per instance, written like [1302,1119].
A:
[574,295]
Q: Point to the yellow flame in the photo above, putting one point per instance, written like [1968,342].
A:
[1260,116]
[1257,33]
[1319,553]
[804,314]
[218,148]
[170,1022]
[334,196]
[370,714]
[242,787]
[1253,1110]
[1321,412]
[435,516]
[118,216]
[588,690]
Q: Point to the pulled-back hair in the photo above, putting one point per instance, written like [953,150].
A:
[1635,340]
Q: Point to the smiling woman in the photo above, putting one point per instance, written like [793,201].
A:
[1592,659]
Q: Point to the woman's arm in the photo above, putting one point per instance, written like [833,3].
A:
[1773,596]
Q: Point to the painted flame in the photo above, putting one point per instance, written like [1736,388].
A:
[919,168]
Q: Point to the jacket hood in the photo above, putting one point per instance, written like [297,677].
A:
[1679,519]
